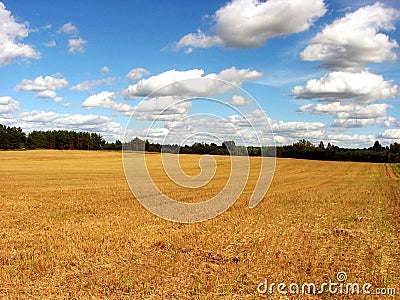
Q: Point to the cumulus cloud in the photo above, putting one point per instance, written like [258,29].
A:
[256,118]
[211,129]
[348,110]
[350,140]
[246,129]
[10,32]
[250,23]
[102,99]
[106,100]
[290,132]
[340,86]
[177,83]
[357,123]
[249,128]
[68,28]
[356,39]
[41,120]
[153,83]
[198,40]
[163,108]
[328,136]
[237,100]
[58,99]
[236,76]
[90,84]
[76,45]
[156,135]
[8,105]
[136,74]
[390,134]
[47,94]
[43,83]
[353,115]
[105,70]
[364,112]
[296,127]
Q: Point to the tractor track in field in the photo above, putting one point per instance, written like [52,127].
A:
[390,172]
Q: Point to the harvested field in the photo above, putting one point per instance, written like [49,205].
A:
[70,228]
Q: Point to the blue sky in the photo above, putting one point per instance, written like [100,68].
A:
[319,70]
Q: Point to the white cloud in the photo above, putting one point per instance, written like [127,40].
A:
[41,120]
[236,76]
[105,70]
[103,99]
[327,136]
[58,99]
[353,115]
[250,23]
[8,105]
[248,129]
[357,123]
[47,94]
[296,127]
[76,45]
[256,118]
[180,127]
[50,44]
[339,86]
[306,107]
[237,100]
[350,140]
[136,74]
[155,135]
[45,86]
[90,84]
[356,39]
[40,83]
[166,108]
[390,134]
[10,32]
[68,28]
[364,112]
[198,40]
[177,83]
[348,111]
[106,100]
[153,83]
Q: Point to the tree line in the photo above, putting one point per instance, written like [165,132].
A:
[302,149]
[14,138]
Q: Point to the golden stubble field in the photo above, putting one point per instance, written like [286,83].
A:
[70,228]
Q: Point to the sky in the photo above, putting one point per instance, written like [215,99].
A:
[259,72]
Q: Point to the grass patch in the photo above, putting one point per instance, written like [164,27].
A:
[396,168]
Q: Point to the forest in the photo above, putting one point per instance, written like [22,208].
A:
[14,138]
